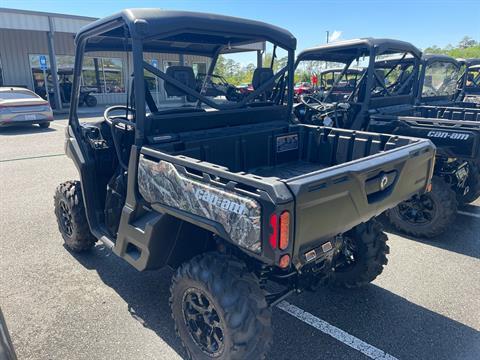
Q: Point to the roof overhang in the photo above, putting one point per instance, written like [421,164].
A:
[181,32]
[349,50]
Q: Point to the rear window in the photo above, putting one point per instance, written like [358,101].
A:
[11,95]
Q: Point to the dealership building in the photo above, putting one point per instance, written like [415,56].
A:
[27,36]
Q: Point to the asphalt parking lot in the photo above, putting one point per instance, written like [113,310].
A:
[95,306]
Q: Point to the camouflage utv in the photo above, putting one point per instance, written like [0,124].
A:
[230,194]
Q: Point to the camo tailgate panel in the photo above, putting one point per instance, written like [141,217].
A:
[160,182]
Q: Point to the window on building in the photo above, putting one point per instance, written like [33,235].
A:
[103,74]
[39,76]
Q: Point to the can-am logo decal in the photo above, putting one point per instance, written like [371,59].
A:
[225,204]
[448,135]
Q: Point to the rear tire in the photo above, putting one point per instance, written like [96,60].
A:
[71,218]
[436,210]
[90,101]
[219,309]
[369,250]
[44,125]
[473,182]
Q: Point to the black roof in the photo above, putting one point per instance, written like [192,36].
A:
[469,62]
[343,51]
[429,58]
[181,31]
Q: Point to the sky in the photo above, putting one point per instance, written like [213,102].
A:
[422,22]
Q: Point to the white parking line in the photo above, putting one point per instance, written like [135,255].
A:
[349,340]
[466,213]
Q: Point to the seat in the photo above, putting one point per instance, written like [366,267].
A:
[261,76]
[185,75]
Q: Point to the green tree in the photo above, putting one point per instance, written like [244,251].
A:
[466,48]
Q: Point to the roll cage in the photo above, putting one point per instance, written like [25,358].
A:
[178,32]
[463,86]
[346,52]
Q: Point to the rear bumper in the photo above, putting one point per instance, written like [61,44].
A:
[25,119]
[343,198]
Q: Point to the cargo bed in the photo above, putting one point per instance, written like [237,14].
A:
[308,170]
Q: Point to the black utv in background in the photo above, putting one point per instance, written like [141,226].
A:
[232,198]
[468,90]
[384,100]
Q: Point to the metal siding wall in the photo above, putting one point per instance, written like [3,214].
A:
[9,20]
[15,46]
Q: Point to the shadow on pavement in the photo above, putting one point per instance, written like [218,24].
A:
[462,237]
[24,129]
[146,293]
[391,323]
[373,314]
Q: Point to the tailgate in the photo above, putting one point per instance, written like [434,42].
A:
[453,138]
[334,200]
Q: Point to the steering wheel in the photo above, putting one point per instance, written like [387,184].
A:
[309,100]
[119,121]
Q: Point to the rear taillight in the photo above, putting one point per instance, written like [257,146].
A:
[284,230]
[280,230]
[274,234]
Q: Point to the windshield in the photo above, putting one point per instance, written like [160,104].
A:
[339,79]
[440,79]
[345,81]
[217,83]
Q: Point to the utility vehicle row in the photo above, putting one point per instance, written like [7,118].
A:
[387,86]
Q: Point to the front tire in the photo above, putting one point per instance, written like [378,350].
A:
[219,309]
[427,215]
[71,218]
[362,258]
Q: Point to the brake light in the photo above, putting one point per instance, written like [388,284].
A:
[274,234]
[284,230]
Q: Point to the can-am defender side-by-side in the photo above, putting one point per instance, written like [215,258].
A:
[231,195]
[384,100]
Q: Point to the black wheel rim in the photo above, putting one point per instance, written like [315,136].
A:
[420,210]
[66,219]
[203,322]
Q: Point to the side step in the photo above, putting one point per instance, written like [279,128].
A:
[145,239]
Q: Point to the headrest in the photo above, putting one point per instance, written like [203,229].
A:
[184,74]
[261,76]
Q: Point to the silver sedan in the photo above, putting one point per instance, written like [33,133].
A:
[22,106]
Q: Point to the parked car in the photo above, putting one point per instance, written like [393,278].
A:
[22,106]
[232,197]
[302,88]
[384,101]
[245,88]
